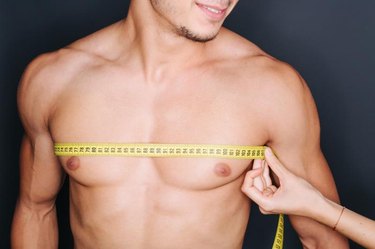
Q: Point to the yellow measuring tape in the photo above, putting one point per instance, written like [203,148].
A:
[159,150]
[170,150]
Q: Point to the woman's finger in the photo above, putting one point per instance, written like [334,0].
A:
[250,177]
[268,192]
[273,187]
[266,174]
[250,189]
[258,181]
[274,163]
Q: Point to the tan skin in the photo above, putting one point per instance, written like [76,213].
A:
[139,80]
[296,196]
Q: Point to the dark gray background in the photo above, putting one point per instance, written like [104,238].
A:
[331,43]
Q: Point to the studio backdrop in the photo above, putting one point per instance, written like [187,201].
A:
[331,44]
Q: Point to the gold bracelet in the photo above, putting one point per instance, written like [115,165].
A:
[337,222]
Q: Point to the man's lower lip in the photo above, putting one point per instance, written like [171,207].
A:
[216,16]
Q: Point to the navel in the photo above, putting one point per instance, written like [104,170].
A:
[73,163]
[222,169]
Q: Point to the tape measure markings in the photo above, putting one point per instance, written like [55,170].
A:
[170,150]
[159,150]
[279,237]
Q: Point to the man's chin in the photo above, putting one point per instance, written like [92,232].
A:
[201,38]
[190,35]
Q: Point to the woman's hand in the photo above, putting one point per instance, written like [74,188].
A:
[294,195]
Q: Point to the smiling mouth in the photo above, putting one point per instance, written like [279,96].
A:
[213,11]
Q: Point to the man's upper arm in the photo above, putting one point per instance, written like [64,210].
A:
[294,135]
[41,176]
[40,173]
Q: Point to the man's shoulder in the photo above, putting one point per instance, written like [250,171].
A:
[55,68]
[252,65]
[275,75]
[46,77]
[270,83]
[51,74]
[278,91]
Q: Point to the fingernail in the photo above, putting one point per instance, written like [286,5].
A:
[268,151]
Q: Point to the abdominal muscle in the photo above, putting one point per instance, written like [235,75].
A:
[157,203]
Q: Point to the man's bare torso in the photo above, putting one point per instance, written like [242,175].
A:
[167,74]
[165,202]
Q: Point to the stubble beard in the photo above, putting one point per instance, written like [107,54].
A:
[185,32]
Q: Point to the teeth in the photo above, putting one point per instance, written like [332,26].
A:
[213,10]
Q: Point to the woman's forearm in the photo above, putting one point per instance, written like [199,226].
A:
[296,196]
[354,226]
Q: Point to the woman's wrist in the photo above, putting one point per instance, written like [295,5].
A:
[327,212]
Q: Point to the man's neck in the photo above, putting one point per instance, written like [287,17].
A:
[159,49]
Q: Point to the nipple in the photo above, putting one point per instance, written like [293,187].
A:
[222,169]
[73,163]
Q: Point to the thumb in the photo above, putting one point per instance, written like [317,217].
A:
[274,163]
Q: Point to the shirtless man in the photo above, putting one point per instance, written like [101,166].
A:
[169,73]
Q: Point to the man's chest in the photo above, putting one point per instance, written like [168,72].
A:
[194,112]
[114,113]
